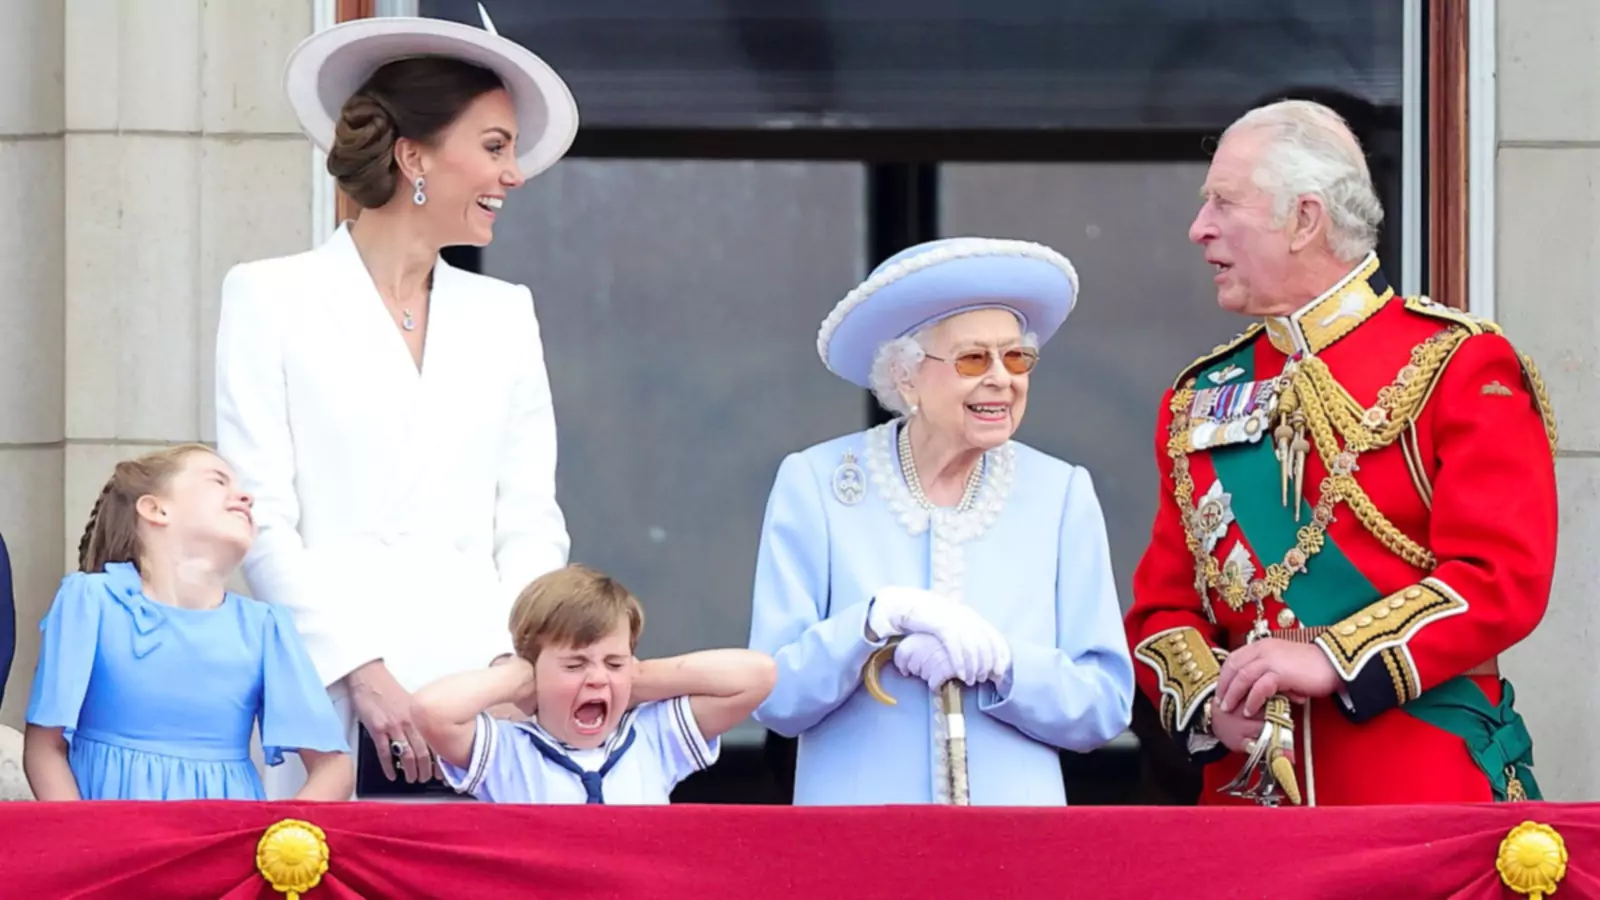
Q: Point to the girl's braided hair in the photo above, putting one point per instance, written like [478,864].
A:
[112,534]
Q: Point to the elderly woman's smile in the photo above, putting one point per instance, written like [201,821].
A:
[978,407]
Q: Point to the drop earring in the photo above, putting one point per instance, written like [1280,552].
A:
[419,197]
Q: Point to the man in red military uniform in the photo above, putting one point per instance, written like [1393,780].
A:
[1358,506]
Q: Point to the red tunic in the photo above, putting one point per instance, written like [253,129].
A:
[1472,480]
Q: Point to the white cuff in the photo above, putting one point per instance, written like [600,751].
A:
[1201,743]
[699,751]
[484,737]
[875,630]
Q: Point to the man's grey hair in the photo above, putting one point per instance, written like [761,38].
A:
[896,362]
[1311,150]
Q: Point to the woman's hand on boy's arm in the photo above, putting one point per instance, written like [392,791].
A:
[723,686]
[446,711]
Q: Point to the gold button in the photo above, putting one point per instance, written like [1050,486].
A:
[1396,602]
[1347,629]
[1285,618]
[1185,656]
[1381,612]
[1364,621]
[1413,593]
[1191,667]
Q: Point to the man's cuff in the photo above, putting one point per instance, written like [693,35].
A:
[1370,650]
[1202,746]
[1188,667]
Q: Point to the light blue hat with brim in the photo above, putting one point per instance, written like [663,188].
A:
[925,284]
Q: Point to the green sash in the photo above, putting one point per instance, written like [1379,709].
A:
[1332,589]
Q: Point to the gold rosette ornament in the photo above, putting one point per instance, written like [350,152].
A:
[292,856]
[1533,860]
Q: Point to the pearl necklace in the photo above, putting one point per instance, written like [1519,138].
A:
[909,467]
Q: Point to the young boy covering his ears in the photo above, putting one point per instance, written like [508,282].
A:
[607,728]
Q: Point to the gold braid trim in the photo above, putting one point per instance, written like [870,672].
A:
[1475,325]
[1330,408]
[1330,413]
[1419,470]
[1208,572]
[1188,667]
[1422,306]
[1546,412]
[1398,403]
[1382,629]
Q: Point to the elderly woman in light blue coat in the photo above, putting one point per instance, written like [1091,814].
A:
[983,560]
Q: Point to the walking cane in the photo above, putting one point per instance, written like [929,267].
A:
[949,699]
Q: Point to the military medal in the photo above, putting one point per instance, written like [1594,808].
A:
[1237,570]
[1231,413]
[1212,515]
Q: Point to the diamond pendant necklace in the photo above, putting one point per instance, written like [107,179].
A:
[407,321]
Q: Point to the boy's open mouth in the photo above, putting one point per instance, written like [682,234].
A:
[590,717]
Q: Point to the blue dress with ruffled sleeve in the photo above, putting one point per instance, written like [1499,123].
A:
[159,702]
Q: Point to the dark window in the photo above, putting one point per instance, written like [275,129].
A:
[964,64]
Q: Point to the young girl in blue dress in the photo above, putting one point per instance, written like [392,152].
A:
[152,675]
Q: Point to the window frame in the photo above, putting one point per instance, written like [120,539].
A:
[1446,197]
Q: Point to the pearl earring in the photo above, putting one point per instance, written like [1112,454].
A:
[914,409]
[419,197]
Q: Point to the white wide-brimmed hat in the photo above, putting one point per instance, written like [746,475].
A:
[929,282]
[329,66]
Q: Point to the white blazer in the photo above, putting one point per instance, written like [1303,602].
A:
[398,513]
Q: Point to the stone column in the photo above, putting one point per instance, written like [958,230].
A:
[31,319]
[180,158]
[1548,299]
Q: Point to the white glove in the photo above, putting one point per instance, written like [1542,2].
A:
[976,650]
[922,656]
[894,610]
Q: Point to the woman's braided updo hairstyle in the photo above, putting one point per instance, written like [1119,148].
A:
[416,99]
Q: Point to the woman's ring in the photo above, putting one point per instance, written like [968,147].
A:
[397,750]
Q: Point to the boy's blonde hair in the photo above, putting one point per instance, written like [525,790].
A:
[573,606]
[112,534]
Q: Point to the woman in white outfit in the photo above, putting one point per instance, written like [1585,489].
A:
[391,414]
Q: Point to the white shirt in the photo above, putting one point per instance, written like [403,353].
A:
[506,766]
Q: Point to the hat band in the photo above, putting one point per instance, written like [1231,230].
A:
[972,307]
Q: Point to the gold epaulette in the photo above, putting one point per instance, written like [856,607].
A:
[1217,352]
[1478,325]
[1474,324]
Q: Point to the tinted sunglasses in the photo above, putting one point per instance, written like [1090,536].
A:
[975,363]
